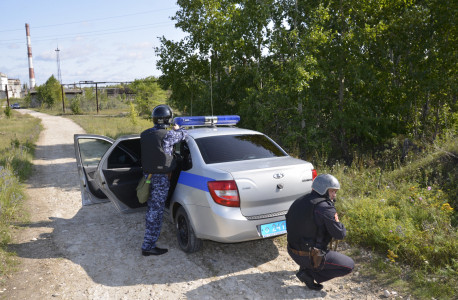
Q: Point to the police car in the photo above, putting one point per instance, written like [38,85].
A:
[230,184]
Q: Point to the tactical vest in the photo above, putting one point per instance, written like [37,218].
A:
[302,231]
[154,159]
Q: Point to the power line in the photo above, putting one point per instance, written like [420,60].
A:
[121,16]
[94,31]
[71,37]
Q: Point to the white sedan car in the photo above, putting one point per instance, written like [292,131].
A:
[231,184]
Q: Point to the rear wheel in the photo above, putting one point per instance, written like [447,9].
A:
[186,237]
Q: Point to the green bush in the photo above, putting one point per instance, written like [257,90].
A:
[7,111]
[404,210]
[75,105]
[413,223]
[133,114]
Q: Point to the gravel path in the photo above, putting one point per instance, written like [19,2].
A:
[93,252]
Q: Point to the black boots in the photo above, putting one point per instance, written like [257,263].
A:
[308,280]
[154,251]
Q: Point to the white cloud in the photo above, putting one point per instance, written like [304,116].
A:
[13,46]
[74,51]
[131,56]
[79,38]
[143,45]
[82,60]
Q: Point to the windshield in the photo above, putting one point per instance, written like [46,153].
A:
[227,148]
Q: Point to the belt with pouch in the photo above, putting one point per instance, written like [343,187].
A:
[316,256]
[298,252]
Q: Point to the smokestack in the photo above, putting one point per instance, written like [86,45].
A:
[29,53]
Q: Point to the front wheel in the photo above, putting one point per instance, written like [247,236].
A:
[186,237]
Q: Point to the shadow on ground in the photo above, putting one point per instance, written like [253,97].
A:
[107,245]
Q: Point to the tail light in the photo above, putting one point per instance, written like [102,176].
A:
[314,174]
[224,192]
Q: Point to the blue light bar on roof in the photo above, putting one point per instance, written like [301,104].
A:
[202,120]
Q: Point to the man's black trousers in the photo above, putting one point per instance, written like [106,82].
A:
[334,264]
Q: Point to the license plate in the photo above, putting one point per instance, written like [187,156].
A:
[272,229]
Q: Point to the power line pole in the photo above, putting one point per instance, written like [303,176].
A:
[59,77]
[7,97]
[63,102]
[97,97]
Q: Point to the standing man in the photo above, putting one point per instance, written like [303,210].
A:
[157,159]
[312,222]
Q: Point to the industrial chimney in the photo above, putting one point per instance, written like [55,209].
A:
[29,52]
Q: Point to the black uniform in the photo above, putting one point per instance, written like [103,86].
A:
[311,222]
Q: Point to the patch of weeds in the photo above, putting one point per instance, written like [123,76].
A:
[354,252]
[17,144]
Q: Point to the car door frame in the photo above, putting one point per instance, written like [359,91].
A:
[87,197]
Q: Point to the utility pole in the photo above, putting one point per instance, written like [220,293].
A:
[59,76]
[7,97]
[63,102]
[97,97]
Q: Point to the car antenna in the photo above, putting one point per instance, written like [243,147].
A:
[211,85]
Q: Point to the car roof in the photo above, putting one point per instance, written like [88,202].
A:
[201,132]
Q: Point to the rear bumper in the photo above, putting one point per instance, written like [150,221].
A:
[225,224]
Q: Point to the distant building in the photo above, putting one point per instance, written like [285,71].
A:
[3,82]
[14,87]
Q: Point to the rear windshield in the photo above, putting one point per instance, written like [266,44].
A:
[226,148]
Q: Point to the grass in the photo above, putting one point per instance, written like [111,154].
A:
[17,145]
[57,111]
[405,211]
[111,126]
[108,122]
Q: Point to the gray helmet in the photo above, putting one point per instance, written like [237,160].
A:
[323,182]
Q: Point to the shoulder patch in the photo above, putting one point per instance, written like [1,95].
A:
[337,217]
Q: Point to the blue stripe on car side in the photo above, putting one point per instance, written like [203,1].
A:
[195,181]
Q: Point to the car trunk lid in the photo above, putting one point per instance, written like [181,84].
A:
[269,186]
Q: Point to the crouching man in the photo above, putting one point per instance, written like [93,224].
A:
[312,222]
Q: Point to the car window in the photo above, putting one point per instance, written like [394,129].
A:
[186,155]
[120,159]
[227,148]
[125,155]
[92,150]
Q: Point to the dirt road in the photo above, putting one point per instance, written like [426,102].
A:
[93,252]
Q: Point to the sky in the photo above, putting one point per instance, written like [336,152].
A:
[98,40]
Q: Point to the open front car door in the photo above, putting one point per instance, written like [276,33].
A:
[119,173]
[89,150]
[114,168]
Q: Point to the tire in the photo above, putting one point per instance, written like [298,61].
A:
[186,237]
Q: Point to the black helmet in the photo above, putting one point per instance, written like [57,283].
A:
[162,115]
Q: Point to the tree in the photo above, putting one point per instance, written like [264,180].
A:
[334,75]
[50,92]
[148,94]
